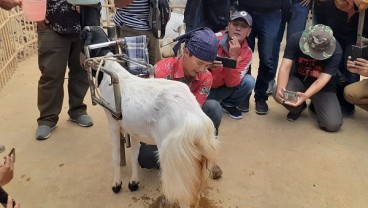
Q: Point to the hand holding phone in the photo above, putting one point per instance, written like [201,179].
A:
[227,62]
[4,198]
[290,96]
[6,170]
[12,152]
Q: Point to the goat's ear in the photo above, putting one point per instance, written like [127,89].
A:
[86,36]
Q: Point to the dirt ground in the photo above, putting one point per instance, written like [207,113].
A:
[268,162]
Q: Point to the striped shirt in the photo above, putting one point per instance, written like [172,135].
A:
[135,15]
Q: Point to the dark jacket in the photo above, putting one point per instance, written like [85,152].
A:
[259,5]
[213,14]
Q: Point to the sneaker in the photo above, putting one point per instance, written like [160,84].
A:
[43,132]
[271,87]
[294,116]
[244,107]
[2,148]
[261,107]
[83,121]
[233,112]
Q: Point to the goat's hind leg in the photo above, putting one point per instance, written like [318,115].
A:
[134,152]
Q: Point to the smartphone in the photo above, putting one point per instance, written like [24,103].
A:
[359,52]
[12,151]
[227,62]
[290,96]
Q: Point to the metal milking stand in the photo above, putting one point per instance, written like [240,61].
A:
[112,34]
[96,63]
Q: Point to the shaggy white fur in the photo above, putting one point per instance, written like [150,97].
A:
[165,113]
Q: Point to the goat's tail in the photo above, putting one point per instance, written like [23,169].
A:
[185,157]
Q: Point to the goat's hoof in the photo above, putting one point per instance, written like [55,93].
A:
[116,189]
[216,172]
[133,186]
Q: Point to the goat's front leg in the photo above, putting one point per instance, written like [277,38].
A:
[114,127]
[134,152]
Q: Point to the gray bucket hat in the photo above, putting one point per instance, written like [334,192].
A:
[318,42]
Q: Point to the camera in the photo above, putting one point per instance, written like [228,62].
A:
[290,96]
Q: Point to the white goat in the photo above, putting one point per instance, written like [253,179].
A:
[161,112]
[174,28]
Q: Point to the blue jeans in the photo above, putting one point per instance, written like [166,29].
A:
[299,16]
[298,19]
[193,15]
[234,96]
[213,110]
[265,27]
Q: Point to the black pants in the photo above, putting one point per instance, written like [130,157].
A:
[148,157]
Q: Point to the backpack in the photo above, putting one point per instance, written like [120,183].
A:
[159,15]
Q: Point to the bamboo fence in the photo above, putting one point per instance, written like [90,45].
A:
[18,41]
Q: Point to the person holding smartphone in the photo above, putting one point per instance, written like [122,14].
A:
[357,93]
[8,5]
[316,55]
[6,175]
[233,86]
[6,170]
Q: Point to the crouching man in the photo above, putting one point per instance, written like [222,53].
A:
[316,55]
[233,86]
[191,68]
[357,93]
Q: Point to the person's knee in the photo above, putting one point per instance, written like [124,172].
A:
[247,85]
[349,94]
[213,110]
[212,106]
[249,81]
[331,126]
